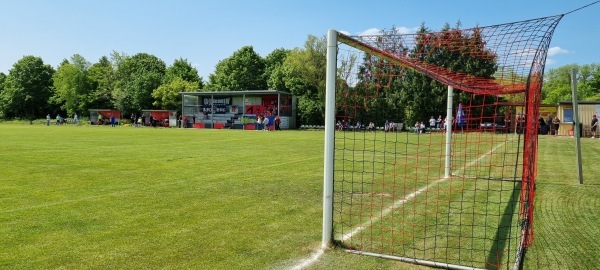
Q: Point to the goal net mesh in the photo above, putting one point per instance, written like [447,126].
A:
[397,190]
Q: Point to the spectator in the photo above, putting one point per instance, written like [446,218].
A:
[184,123]
[507,122]
[48,120]
[266,122]
[594,126]
[112,120]
[417,127]
[258,122]
[445,124]
[550,126]
[75,119]
[371,127]
[556,123]
[520,123]
[422,127]
[438,122]
[542,125]
[432,123]
[277,123]
[386,126]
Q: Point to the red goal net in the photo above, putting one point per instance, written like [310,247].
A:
[412,181]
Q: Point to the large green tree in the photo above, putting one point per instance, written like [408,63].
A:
[414,96]
[102,78]
[453,50]
[167,96]
[244,70]
[303,74]
[181,68]
[2,80]
[557,83]
[73,86]
[180,77]
[273,63]
[27,89]
[137,77]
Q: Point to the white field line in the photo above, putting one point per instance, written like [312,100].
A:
[317,254]
[309,261]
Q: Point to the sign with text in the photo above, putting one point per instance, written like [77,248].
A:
[216,101]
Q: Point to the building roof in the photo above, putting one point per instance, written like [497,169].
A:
[152,110]
[236,93]
[580,102]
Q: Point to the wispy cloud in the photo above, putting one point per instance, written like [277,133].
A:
[406,30]
[398,31]
[370,32]
[557,50]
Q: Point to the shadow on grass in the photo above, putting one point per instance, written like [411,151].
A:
[503,234]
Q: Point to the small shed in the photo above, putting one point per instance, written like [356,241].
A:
[586,110]
[166,118]
[102,116]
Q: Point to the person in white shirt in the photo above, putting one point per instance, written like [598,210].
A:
[432,123]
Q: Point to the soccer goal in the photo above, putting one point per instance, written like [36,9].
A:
[454,186]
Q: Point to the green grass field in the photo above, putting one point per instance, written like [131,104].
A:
[88,197]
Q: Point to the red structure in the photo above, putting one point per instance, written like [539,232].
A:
[102,116]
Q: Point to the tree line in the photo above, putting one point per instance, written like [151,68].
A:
[32,89]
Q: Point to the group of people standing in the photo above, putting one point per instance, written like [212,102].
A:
[549,126]
[138,120]
[265,121]
[60,120]
[434,124]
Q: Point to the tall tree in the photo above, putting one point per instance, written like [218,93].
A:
[557,83]
[304,75]
[102,79]
[167,95]
[273,63]
[138,76]
[73,86]
[180,77]
[454,50]
[2,80]
[181,68]
[242,71]
[27,89]
[417,94]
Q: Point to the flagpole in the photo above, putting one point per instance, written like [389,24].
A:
[448,124]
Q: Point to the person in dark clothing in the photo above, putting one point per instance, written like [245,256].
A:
[542,125]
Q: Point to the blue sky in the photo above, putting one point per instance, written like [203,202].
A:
[205,32]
